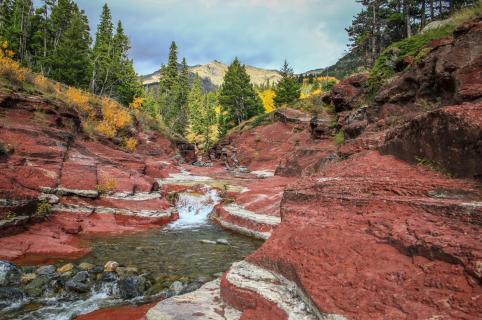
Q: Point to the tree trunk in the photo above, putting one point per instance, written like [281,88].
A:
[406,11]
[374,35]
[432,16]
[422,17]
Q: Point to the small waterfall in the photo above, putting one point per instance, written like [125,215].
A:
[194,208]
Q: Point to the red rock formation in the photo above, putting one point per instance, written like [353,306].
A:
[45,155]
[346,94]
[374,237]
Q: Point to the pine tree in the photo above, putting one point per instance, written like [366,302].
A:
[126,85]
[60,18]
[202,116]
[18,32]
[169,74]
[288,88]
[71,60]
[239,101]
[173,92]
[183,83]
[101,81]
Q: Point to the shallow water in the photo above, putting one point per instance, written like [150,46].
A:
[176,249]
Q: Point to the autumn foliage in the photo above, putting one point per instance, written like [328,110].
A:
[115,118]
[10,68]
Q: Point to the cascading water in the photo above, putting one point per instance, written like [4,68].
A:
[194,208]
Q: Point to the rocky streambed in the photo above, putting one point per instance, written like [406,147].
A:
[133,268]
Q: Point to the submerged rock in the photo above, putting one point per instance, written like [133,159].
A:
[132,287]
[36,287]
[9,274]
[207,241]
[85,266]
[9,296]
[223,242]
[79,283]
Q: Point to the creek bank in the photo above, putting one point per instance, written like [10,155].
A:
[72,284]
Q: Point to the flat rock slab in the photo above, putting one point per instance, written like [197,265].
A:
[240,212]
[204,303]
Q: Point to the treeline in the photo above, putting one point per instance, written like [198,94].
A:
[382,22]
[204,117]
[54,39]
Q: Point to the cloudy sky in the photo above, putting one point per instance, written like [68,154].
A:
[308,33]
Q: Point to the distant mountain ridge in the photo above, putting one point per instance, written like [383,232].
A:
[212,75]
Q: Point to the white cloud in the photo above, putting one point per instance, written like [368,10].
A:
[309,33]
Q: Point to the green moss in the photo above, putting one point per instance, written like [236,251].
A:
[433,165]
[386,65]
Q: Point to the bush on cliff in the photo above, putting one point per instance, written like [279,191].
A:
[394,58]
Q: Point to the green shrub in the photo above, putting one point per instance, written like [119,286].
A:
[339,138]
[392,57]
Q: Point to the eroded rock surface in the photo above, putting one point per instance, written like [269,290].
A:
[49,166]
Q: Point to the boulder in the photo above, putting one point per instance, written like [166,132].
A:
[346,94]
[320,127]
[46,270]
[10,295]
[450,138]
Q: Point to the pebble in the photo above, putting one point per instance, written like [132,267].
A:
[46,270]
[66,268]
[111,266]
[85,266]
[207,241]
[27,277]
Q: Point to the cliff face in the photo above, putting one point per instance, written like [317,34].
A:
[390,226]
[49,166]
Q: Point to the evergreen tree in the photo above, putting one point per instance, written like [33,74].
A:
[18,31]
[101,81]
[126,85]
[173,92]
[202,116]
[288,89]
[71,60]
[183,83]
[169,73]
[239,101]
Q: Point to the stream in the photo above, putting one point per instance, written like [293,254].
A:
[189,251]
